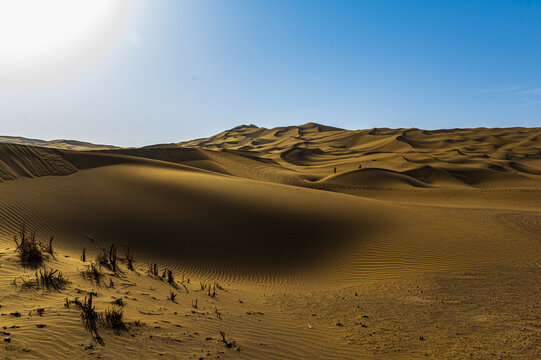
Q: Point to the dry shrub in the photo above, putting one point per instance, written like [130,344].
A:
[31,252]
[119,302]
[153,269]
[93,273]
[108,259]
[89,315]
[51,279]
[46,279]
[172,296]
[76,302]
[170,277]
[49,248]
[129,259]
[103,258]
[113,258]
[228,344]
[113,319]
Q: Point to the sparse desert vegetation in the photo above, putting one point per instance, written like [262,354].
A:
[30,251]
[51,279]
[113,318]
[93,273]
[46,279]
[95,322]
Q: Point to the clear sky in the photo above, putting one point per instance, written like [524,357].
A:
[160,71]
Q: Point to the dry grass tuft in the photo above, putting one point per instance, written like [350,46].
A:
[29,250]
[228,344]
[51,279]
[102,258]
[129,259]
[113,258]
[44,279]
[108,259]
[76,302]
[89,315]
[93,273]
[170,277]
[119,302]
[49,248]
[153,269]
[113,319]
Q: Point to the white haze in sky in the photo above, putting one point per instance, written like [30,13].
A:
[44,39]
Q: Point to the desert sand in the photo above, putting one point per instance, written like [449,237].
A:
[299,242]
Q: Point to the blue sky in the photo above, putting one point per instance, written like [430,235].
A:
[176,70]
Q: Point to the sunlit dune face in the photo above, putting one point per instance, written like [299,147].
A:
[40,36]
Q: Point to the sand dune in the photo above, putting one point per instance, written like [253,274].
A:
[471,157]
[311,263]
[307,154]
[55,144]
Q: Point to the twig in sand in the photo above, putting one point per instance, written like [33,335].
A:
[172,296]
[129,259]
[228,344]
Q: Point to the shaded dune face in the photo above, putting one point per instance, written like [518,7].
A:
[54,144]
[201,219]
[25,161]
[194,218]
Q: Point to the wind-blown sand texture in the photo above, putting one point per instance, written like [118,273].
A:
[422,244]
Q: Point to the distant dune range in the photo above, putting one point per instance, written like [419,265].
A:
[56,144]
[306,156]
[245,203]
[422,244]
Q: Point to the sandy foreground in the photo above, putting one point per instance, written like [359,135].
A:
[279,240]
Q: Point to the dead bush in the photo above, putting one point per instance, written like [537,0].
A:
[29,250]
[93,273]
[51,279]
[113,319]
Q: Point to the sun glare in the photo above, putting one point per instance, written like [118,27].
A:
[39,35]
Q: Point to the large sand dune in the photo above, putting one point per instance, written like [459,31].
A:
[435,227]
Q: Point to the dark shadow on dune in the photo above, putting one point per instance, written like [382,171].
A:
[223,233]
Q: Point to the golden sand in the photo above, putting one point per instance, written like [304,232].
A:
[422,244]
